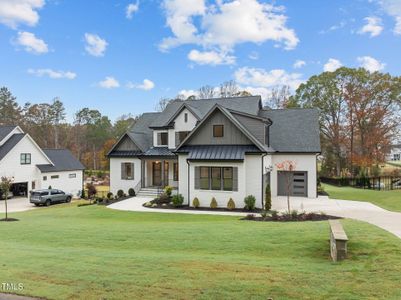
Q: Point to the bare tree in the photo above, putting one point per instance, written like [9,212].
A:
[279,97]
[162,104]
[229,89]
[206,92]
[288,167]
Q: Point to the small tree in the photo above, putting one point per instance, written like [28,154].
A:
[195,203]
[5,186]
[288,167]
[268,198]
[91,191]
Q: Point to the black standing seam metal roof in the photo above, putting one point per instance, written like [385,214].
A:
[5,130]
[62,159]
[218,152]
[10,144]
[125,153]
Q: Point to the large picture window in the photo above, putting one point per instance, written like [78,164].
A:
[216,178]
[25,158]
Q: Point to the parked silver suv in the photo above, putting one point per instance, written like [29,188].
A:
[48,197]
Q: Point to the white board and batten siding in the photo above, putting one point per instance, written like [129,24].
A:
[67,181]
[10,165]
[116,181]
[304,163]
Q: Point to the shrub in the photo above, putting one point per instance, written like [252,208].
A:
[250,202]
[168,190]
[99,200]
[131,192]
[178,200]
[91,190]
[294,214]
[213,203]
[50,187]
[83,194]
[163,198]
[264,214]
[120,193]
[231,204]
[109,195]
[268,198]
[99,174]
[274,214]
[195,202]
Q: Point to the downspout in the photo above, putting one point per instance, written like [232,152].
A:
[263,188]
[189,199]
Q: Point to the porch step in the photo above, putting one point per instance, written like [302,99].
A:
[149,192]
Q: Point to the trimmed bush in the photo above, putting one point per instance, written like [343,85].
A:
[268,198]
[50,187]
[163,198]
[250,202]
[178,200]
[120,193]
[195,202]
[231,204]
[109,195]
[131,192]
[213,203]
[168,190]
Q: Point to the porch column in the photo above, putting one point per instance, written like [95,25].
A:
[143,165]
[162,173]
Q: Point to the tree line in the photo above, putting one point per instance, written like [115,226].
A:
[359,119]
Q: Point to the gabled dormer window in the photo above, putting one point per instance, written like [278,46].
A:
[25,158]
[162,139]
[218,130]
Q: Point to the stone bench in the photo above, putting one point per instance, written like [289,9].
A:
[338,241]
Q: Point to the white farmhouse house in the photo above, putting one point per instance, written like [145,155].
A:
[395,154]
[36,168]
[223,148]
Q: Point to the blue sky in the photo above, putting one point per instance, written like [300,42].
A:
[123,56]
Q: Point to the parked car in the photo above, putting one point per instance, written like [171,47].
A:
[10,195]
[48,197]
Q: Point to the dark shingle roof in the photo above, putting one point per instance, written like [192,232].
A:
[140,133]
[62,159]
[218,152]
[250,105]
[5,130]
[294,130]
[10,144]
[158,151]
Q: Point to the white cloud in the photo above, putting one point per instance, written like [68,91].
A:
[131,9]
[258,78]
[184,94]
[299,64]
[225,24]
[371,64]
[393,8]
[95,45]
[211,58]
[253,55]
[332,65]
[109,83]
[15,12]
[146,85]
[53,74]
[338,26]
[373,26]
[31,43]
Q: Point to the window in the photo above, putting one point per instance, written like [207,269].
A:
[54,192]
[127,171]
[180,136]
[72,175]
[216,178]
[228,179]
[25,158]
[185,117]
[175,175]
[162,139]
[54,177]
[204,178]
[44,178]
[218,130]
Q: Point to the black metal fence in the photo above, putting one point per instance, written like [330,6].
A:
[381,183]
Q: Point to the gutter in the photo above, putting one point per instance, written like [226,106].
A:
[189,198]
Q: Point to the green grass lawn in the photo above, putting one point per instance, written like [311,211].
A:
[69,252]
[390,200]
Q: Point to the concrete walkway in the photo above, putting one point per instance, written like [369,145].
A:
[358,210]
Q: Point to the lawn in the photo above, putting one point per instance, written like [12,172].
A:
[92,252]
[390,200]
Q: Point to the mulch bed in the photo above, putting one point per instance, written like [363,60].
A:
[186,207]
[9,220]
[111,201]
[289,218]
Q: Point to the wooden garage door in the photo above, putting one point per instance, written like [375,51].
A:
[298,183]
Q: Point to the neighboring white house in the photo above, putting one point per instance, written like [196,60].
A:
[222,148]
[395,154]
[35,168]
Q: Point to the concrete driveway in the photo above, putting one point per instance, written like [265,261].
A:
[358,210]
[16,205]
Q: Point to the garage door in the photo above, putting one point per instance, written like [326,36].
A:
[298,183]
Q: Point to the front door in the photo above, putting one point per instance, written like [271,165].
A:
[157,173]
